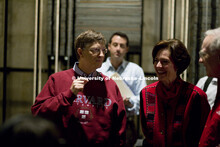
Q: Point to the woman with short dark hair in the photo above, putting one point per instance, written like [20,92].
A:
[173,112]
[178,53]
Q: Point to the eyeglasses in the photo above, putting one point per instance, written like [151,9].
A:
[97,51]
[202,54]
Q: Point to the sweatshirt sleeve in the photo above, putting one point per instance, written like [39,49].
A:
[197,111]
[205,109]
[142,114]
[119,119]
[51,100]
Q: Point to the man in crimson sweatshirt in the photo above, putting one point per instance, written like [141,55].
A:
[85,104]
[210,58]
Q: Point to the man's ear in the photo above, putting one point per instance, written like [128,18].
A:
[80,52]
[127,49]
[109,46]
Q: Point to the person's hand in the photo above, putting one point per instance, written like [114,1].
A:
[78,85]
[127,102]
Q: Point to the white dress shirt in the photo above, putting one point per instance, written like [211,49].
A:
[211,90]
[128,71]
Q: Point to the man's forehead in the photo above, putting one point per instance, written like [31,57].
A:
[95,44]
[117,37]
[207,40]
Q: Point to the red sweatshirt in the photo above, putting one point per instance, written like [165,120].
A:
[211,134]
[95,117]
[174,117]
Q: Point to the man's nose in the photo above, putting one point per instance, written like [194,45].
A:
[101,53]
[200,60]
[118,47]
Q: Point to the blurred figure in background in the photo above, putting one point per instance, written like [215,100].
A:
[118,47]
[30,131]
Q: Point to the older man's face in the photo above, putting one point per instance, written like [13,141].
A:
[210,60]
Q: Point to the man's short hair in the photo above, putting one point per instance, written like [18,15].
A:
[87,39]
[123,35]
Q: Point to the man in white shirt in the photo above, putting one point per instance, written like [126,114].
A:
[131,73]
[209,87]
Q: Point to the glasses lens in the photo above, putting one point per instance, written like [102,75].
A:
[104,51]
[97,51]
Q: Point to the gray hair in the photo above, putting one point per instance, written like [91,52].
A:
[215,44]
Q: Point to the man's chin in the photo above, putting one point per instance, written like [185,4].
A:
[99,65]
[117,57]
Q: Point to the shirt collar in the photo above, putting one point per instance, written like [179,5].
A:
[123,65]
[215,79]
[81,73]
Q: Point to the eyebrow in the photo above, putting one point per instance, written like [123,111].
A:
[202,53]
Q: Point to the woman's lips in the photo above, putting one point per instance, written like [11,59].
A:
[161,72]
